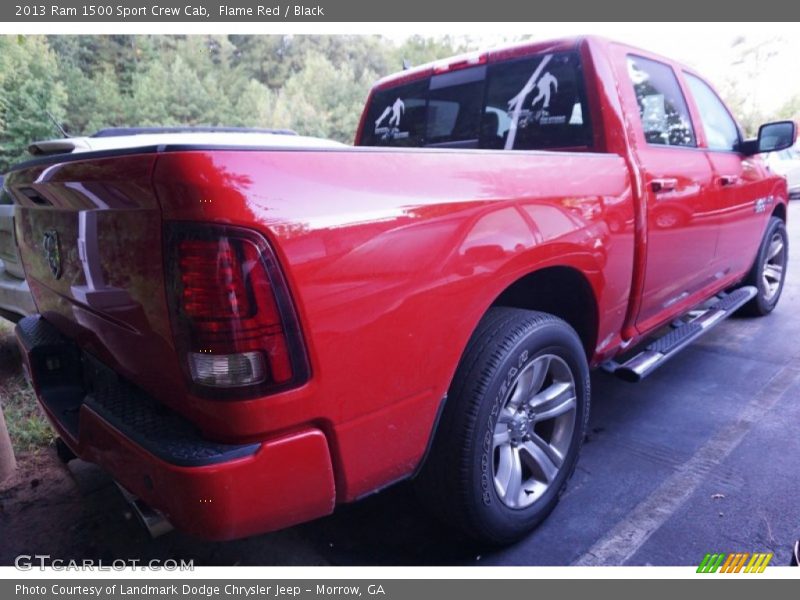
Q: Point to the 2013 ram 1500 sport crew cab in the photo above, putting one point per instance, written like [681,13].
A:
[247,329]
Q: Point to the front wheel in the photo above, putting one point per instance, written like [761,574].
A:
[512,427]
[769,271]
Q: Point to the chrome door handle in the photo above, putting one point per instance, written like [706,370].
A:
[667,184]
[728,180]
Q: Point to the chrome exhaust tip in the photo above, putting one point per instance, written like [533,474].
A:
[155,522]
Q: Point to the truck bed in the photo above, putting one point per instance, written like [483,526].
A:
[369,241]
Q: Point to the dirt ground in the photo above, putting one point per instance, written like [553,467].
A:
[40,482]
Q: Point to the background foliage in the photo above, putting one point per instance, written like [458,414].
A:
[315,85]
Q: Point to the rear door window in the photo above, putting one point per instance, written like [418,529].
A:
[536,102]
[662,107]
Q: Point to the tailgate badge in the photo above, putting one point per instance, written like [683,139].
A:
[52,252]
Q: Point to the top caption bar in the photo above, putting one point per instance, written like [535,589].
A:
[390,11]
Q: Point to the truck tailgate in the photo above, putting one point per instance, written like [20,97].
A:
[89,234]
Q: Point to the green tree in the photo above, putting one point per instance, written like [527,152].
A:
[791,110]
[93,54]
[170,94]
[255,106]
[81,97]
[323,99]
[418,50]
[29,90]
[264,58]
[315,84]
[149,101]
[108,102]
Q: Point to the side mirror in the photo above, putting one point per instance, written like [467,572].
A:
[772,137]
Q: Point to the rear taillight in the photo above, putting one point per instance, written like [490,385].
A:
[233,319]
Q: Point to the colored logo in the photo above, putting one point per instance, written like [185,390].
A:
[736,562]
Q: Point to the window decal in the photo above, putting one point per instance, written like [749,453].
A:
[396,111]
[515,104]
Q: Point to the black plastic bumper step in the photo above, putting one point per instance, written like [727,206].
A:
[55,364]
[68,378]
[683,333]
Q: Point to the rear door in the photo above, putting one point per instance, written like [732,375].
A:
[682,224]
[741,188]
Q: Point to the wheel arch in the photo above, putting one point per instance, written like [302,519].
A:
[780,211]
[562,291]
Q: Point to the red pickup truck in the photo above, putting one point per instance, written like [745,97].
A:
[246,330]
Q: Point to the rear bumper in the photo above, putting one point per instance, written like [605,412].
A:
[15,296]
[212,490]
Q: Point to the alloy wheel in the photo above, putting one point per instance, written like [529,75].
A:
[773,269]
[534,430]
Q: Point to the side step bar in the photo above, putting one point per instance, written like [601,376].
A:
[683,333]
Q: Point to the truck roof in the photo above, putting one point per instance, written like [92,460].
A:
[503,52]
[477,57]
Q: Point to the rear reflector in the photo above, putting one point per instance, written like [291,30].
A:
[227,370]
[234,323]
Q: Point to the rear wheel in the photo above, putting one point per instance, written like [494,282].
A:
[512,427]
[769,271]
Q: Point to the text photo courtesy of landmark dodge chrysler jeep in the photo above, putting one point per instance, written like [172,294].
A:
[248,329]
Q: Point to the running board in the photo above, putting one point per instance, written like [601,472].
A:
[683,333]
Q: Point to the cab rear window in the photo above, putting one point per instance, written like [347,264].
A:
[537,102]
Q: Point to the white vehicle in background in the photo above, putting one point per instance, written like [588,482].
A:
[787,163]
[15,297]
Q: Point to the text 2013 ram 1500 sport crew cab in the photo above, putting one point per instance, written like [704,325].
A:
[246,330]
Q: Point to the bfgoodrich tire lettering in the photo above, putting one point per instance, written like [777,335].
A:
[512,428]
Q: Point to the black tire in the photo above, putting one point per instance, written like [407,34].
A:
[765,302]
[457,481]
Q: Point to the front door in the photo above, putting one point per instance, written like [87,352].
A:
[741,185]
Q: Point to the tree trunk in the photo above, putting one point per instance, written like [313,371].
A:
[7,461]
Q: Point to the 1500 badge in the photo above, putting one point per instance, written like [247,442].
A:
[761,204]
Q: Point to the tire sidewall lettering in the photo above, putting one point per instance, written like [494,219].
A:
[487,478]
